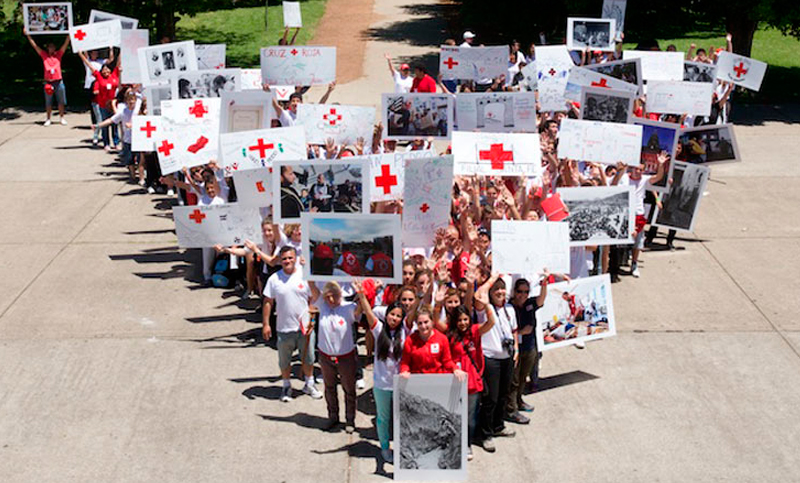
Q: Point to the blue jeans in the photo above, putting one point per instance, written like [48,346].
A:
[383,407]
[473,403]
[96,118]
[105,114]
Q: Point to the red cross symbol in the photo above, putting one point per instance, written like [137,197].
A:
[198,109]
[740,70]
[496,155]
[602,83]
[260,186]
[148,128]
[80,34]
[261,148]
[424,208]
[197,216]
[450,62]
[332,117]
[552,71]
[166,147]
[386,180]
[293,51]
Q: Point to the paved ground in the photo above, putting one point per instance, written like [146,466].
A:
[115,367]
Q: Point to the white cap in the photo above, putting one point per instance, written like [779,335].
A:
[468,35]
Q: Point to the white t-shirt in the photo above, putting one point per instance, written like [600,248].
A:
[96,65]
[580,262]
[125,116]
[503,328]
[291,294]
[640,187]
[384,371]
[402,85]
[335,332]
[287,118]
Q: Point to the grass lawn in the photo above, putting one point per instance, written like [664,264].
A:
[781,52]
[243,31]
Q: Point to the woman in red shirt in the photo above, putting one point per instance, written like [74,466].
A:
[427,351]
[104,90]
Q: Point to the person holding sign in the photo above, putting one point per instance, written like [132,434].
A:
[53,83]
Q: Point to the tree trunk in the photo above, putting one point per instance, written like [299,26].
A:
[742,27]
[165,21]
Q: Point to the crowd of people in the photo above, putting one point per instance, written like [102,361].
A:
[450,313]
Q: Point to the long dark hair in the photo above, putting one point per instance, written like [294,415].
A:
[453,334]
[388,343]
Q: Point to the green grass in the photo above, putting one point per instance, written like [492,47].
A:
[781,52]
[243,31]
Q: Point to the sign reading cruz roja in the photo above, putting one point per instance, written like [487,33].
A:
[297,65]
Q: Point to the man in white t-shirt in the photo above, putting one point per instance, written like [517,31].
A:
[468,39]
[292,294]
[403,80]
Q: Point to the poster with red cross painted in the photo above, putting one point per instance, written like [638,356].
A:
[497,154]
[189,133]
[426,199]
[580,77]
[473,63]
[742,71]
[205,226]
[260,148]
[253,187]
[94,36]
[343,124]
[298,65]
[387,172]
[143,133]
[553,64]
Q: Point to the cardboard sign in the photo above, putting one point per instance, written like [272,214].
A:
[426,199]
[677,97]
[388,173]
[251,79]
[496,111]
[497,154]
[742,71]
[143,133]
[343,124]
[205,226]
[94,36]
[291,15]
[473,63]
[658,66]
[600,142]
[553,64]
[253,187]
[528,247]
[298,65]
[260,148]
[189,133]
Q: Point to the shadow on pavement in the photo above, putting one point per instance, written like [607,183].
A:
[561,380]
[361,449]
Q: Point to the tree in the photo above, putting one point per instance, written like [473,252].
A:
[742,19]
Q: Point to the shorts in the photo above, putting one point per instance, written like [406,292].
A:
[126,156]
[288,342]
[59,91]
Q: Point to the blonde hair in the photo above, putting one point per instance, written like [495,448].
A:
[290,228]
[332,288]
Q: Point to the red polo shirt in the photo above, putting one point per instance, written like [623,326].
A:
[430,356]
[426,84]
[52,65]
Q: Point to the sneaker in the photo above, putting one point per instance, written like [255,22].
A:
[286,394]
[63,122]
[488,445]
[94,143]
[107,149]
[350,428]
[517,418]
[47,123]
[635,272]
[141,182]
[312,391]
[523,406]
[170,192]
[151,190]
[506,432]
[580,345]
[469,454]
[387,456]
[361,383]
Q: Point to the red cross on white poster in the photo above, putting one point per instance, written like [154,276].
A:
[143,133]
[497,154]
[205,226]
[475,63]
[188,134]
[387,172]
[742,71]
[427,194]
[260,148]
[343,124]
[94,36]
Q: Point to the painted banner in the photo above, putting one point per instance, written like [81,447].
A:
[497,154]
[742,71]
[94,36]
[473,63]
[528,247]
[253,187]
[189,133]
[343,124]
[553,64]
[298,65]
[260,148]
[205,226]
[600,142]
[496,111]
[426,199]
[678,97]
[143,133]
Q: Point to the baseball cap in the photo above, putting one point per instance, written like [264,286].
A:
[483,231]
[469,35]
[404,67]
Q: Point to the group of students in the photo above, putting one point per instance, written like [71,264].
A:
[450,314]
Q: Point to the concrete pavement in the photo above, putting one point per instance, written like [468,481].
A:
[114,366]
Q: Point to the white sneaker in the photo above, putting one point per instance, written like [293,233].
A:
[47,123]
[312,391]
[286,394]
[361,383]
[387,456]
[151,190]
[635,272]
[63,122]
[170,192]
[580,345]
[141,182]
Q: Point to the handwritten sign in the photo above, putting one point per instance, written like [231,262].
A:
[600,142]
[742,71]
[426,199]
[253,187]
[210,56]
[189,133]
[291,15]
[260,148]
[94,36]
[298,65]
[553,64]
[343,124]
[132,41]
[475,63]
[677,97]
[580,78]
[528,247]
[659,66]
[205,226]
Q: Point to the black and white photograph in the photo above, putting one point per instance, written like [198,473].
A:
[205,83]
[699,72]
[616,9]
[320,187]
[47,18]
[607,105]
[680,204]
[658,137]
[159,62]
[342,246]
[628,70]
[154,95]
[592,33]
[128,23]
[708,144]
[430,428]
[409,116]
[599,215]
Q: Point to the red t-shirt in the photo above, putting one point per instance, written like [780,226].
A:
[381,265]
[459,267]
[52,65]
[106,88]
[472,343]
[430,356]
[426,84]
[350,264]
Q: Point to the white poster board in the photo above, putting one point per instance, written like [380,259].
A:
[205,226]
[253,187]
[496,111]
[155,95]
[742,71]
[497,154]
[580,77]
[553,64]
[291,15]
[132,41]
[388,173]
[629,71]
[659,66]
[528,247]
[210,56]
[615,9]
[143,133]
[158,62]
[93,36]
[47,18]
[244,150]
[426,199]
[189,133]
[473,63]
[343,124]
[298,65]
[599,215]
[600,142]
[245,111]
[340,246]
[251,79]
[128,23]
[580,310]
[678,97]
[198,84]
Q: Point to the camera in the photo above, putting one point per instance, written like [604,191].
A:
[508,346]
